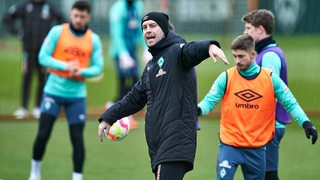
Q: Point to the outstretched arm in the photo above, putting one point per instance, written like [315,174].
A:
[195,52]
[286,98]
[214,95]
[133,102]
[215,51]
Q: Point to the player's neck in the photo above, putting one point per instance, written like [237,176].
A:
[78,31]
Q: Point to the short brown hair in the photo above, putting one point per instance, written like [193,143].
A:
[243,42]
[261,17]
[82,5]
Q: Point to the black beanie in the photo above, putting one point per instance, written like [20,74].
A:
[160,18]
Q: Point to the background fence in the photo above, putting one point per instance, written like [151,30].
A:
[297,32]
[215,16]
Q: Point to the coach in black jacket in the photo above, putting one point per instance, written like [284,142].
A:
[168,88]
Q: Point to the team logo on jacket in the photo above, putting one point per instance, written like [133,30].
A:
[161,71]
[248,96]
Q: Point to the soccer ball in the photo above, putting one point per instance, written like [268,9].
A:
[119,130]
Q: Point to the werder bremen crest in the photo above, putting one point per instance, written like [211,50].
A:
[161,71]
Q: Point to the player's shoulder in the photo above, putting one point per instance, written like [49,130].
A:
[272,56]
[57,28]
[95,38]
[271,52]
[95,35]
[273,49]
[55,31]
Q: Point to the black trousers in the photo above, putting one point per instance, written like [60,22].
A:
[171,170]
[31,64]
[45,128]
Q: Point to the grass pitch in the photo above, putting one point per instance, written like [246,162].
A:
[128,159]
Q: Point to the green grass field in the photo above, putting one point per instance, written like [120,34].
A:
[128,159]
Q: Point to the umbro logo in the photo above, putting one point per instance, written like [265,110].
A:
[248,95]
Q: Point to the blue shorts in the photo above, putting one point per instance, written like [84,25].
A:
[252,161]
[74,108]
[273,150]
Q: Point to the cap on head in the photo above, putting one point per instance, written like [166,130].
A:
[160,18]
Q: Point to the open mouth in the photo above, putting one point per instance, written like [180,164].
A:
[149,37]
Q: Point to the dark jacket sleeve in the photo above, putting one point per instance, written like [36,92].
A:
[131,103]
[193,53]
[14,12]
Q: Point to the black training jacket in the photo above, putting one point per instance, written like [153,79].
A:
[168,88]
[36,20]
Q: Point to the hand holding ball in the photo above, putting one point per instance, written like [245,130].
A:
[119,130]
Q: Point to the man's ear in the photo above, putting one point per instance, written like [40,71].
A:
[261,29]
[253,53]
